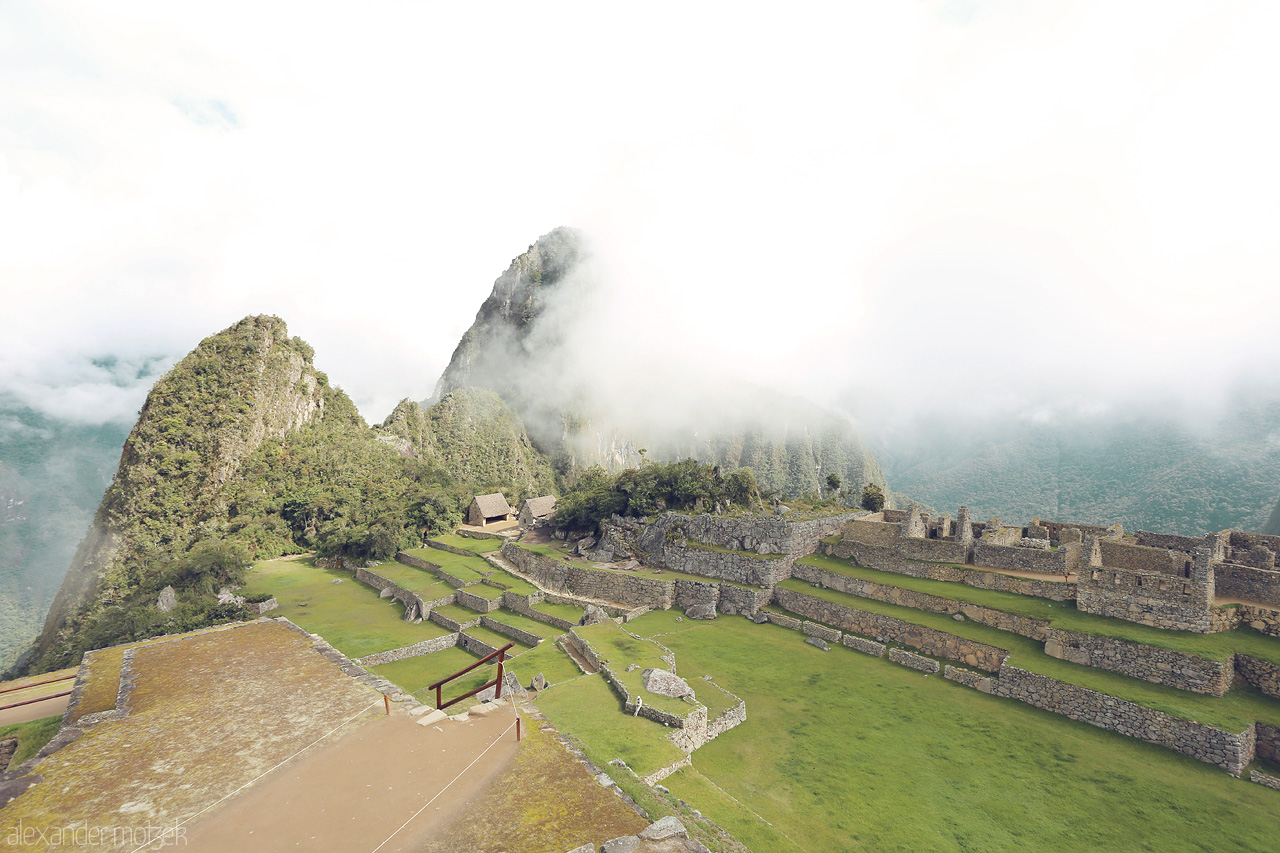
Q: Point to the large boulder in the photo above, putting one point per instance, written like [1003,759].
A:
[539,682]
[665,683]
[667,827]
[167,601]
[701,611]
[593,615]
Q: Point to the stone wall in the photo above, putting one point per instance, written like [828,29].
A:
[927,640]
[1168,541]
[1036,629]
[689,593]
[1259,673]
[887,560]
[1012,558]
[933,550]
[741,567]
[418,562]
[860,644]
[510,631]
[813,629]
[478,602]
[1151,599]
[426,647]
[879,533]
[788,622]
[476,646]
[440,546]
[1246,582]
[523,604]
[451,624]
[599,584]
[1149,663]
[1139,558]
[414,606]
[628,702]
[1228,750]
[1055,528]
[1268,742]
[977,681]
[905,658]
[1261,619]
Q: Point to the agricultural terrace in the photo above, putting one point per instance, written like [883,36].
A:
[1241,706]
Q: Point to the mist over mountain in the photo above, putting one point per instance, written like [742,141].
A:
[559,340]
[1152,467]
[52,475]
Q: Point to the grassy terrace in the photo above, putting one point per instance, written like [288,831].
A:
[1234,711]
[1065,616]
[414,674]
[519,586]
[32,736]
[643,571]
[842,751]
[524,623]
[350,615]
[456,612]
[495,639]
[427,586]
[564,611]
[476,546]
[485,591]
[462,567]
[550,660]
[614,645]
[590,709]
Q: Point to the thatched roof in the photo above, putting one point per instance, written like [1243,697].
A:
[540,507]
[491,505]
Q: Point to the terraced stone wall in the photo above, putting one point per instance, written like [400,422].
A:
[933,550]
[879,533]
[511,631]
[1259,673]
[1247,582]
[888,560]
[426,647]
[523,604]
[930,641]
[736,566]
[1036,629]
[1231,751]
[916,662]
[1168,541]
[1152,599]
[414,606]
[1149,663]
[478,602]
[419,563]
[1268,742]
[1261,619]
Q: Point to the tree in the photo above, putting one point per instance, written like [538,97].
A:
[872,498]
[833,481]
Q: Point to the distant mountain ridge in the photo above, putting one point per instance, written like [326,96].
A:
[1144,470]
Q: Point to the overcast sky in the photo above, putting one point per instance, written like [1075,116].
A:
[1074,199]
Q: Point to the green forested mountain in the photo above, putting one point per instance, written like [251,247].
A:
[1147,470]
[244,451]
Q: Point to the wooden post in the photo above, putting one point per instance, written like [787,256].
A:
[517,729]
[387,701]
[498,692]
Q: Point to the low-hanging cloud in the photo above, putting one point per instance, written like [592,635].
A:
[913,207]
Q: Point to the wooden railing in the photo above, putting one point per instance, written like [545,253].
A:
[500,654]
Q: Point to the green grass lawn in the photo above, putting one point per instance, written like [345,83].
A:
[565,611]
[1065,616]
[414,674]
[460,566]
[519,586]
[420,581]
[1234,711]
[842,751]
[32,736]
[590,709]
[350,615]
[456,612]
[549,659]
[620,649]
[476,546]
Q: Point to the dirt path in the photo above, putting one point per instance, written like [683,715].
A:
[1227,599]
[354,793]
[35,711]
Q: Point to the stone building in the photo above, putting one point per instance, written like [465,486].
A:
[536,510]
[489,509]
